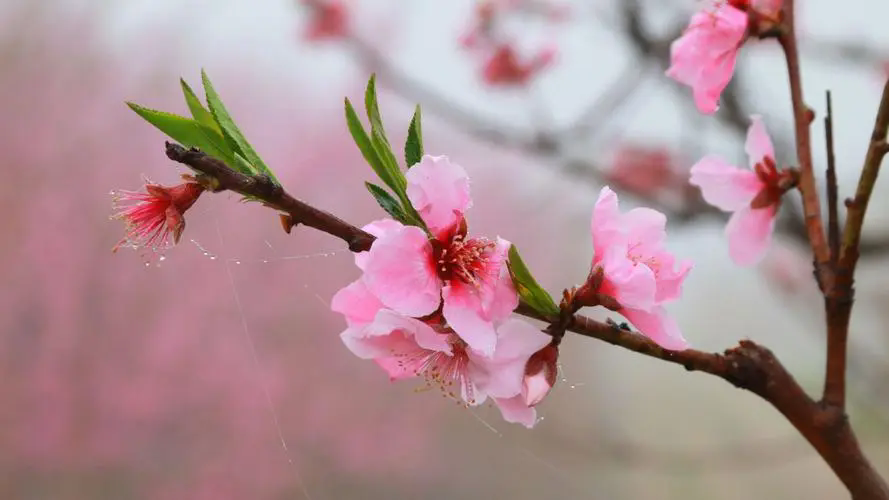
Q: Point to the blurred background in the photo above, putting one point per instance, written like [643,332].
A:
[218,372]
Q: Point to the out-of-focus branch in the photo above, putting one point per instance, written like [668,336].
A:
[748,366]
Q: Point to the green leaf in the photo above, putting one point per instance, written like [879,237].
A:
[188,132]
[231,132]
[366,147]
[413,146]
[387,202]
[529,291]
[378,138]
[198,111]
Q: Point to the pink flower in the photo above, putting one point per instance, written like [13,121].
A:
[753,195]
[151,217]
[704,56]
[540,375]
[407,347]
[329,20]
[636,269]
[416,275]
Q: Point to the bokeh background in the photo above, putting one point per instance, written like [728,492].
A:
[218,372]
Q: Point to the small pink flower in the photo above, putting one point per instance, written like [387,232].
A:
[407,347]
[753,195]
[416,275]
[151,217]
[540,375]
[329,20]
[637,270]
[704,56]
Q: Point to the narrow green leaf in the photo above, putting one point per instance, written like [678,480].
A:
[378,138]
[373,108]
[188,132]
[363,141]
[387,202]
[413,146]
[231,132]
[527,287]
[198,111]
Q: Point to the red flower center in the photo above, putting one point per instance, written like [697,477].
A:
[466,260]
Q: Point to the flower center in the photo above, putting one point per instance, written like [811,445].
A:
[634,253]
[448,373]
[467,260]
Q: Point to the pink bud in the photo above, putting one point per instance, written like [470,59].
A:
[540,375]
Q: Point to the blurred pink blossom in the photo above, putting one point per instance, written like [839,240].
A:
[752,195]
[704,56]
[636,269]
[329,19]
[644,170]
[503,66]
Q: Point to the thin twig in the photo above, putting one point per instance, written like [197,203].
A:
[748,366]
[840,297]
[833,217]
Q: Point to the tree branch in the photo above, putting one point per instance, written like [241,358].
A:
[748,366]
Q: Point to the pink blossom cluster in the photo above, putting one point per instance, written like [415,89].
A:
[704,59]
[437,305]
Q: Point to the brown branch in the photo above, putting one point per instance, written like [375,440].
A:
[748,366]
[802,118]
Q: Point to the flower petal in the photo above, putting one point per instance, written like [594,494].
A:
[658,326]
[378,228]
[356,303]
[514,410]
[439,190]
[758,144]
[724,186]
[400,272]
[749,232]
[463,312]
[499,298]
[646,228]
[501,375]
[606,225]
[633,285]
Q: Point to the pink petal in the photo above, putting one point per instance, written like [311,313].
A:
[768,8]
[633,285]
[749,232]
[646,228]
[439,191]
[658,326]
[463,312]
[387,321]
[499,299]
[378,228]
[356,303]
[723,186]
[758,144]
[400,272]
[501,375]
[367,344]
[606,225]
[670,279]
[514,410]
